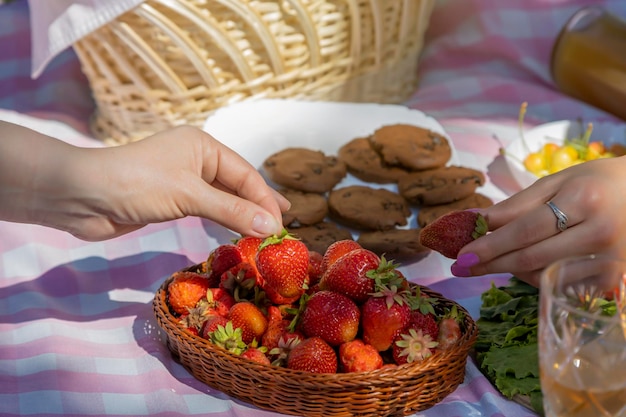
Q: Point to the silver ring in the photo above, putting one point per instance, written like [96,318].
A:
[561,218]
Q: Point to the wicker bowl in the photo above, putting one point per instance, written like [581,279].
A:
[172,62]
[400,390]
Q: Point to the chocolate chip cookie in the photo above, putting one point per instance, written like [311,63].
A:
[368,208]
[412,147]
[366,164]
[440,186]
[306,208]
[401,245]
[304,170]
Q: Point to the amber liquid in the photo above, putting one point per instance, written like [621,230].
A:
[589,61]
[561,400]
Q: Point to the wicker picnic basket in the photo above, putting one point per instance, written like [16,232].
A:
[172,62]
[396,391]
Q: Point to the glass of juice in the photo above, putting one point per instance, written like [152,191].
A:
[582,337]
[589,59]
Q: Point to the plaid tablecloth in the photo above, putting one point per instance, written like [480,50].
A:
[77,332]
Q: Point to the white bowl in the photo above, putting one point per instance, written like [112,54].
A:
[534,139]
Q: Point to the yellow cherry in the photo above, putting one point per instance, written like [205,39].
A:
[594,151]
[548,150]
[534,162]
[562,158]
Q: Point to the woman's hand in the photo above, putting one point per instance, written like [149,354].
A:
[101,193]
[524,236]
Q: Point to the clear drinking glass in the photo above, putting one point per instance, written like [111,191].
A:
[582,337]
[589,59]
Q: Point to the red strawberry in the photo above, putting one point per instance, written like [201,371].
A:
[249,246]
[219,300]
[450,232]
[315,267]
[283,262]
[185,290]
[278,299]
[194,320]
[256,354]
[211,324]
[313,355]
[277,329]
[348,276]
[223,258]
[356,356]
[423,315]
[412,346]
[427,323]
[229,338]
[332,316]
[250,319]
[449,329]
[384,316]
[336,250]
[280,353]
[240,280]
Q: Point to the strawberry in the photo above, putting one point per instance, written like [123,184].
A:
[278,299]
[412,346]
[211,324]
[283,262]
[280,353]
[277,329]
[313,355]
[185,290]
[450,232]
[240,280]
[315,267]
[423,316]
[348,275]
[250,319]
[223,258]
[336,250]
[249,246]
[449,329]
[256,354]
[194,320]
[218,300]
[332,316]
[384,315]
[356,356]
[229,338]
[427,323]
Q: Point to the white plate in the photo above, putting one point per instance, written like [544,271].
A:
[555,132]
[257,129]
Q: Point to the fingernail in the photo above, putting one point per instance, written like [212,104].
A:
[460,271]
[467,260]
[265,224]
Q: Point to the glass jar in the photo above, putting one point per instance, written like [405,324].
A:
[589,59]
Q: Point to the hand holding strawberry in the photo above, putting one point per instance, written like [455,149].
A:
[450,232]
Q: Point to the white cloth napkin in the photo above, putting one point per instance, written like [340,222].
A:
[57,24]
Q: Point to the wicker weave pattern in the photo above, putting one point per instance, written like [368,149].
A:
[395,391]
[171,62]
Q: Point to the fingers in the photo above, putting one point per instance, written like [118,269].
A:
[535,226]
[531,240]
[234,212]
